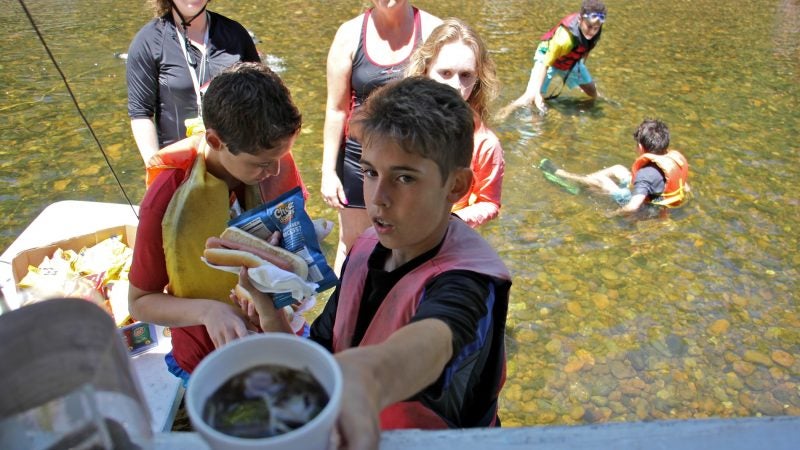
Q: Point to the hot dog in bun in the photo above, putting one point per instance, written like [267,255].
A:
[236,247]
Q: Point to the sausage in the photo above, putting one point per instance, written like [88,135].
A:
[220,243]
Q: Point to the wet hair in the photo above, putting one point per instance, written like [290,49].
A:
[653,134]
[250,108]
[593,6]
[161,7]
[455,30]
[421,116]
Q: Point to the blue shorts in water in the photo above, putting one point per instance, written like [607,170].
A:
[623,193]
[555,79]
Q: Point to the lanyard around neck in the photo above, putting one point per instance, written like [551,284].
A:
[199,75]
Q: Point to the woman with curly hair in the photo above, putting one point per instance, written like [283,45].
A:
[455,55]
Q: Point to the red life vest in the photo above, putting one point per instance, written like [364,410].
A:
[462,249]
[676,172]
[181,155]
[580,45]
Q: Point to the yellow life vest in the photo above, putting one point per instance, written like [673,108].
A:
[199,209]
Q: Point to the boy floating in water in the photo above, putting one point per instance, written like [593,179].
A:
[658,176]
[559,58]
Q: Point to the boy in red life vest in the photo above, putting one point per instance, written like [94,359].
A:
[659,175]
[560,56]
[195,186]
[418,319]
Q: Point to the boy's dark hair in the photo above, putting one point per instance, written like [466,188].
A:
[423,117]
[593,6]
[653,134]
[250,108]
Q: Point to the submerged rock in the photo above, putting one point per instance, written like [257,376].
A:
[757,358]
[783,358]
[719,327]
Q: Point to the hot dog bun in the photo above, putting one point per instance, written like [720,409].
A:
[280,262]
[228,257]
[297,263]
[242,293]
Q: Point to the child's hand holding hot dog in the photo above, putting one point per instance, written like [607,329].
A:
[258,306]
[268,269]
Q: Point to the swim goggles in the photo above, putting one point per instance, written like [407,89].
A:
[596,17]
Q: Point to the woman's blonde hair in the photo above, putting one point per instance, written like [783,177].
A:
[160,7]
[456,30]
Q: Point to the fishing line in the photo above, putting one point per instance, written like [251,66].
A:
[77,106]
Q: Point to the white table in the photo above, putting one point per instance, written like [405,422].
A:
[161,390]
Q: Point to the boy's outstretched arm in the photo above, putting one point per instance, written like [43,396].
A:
[377,376]
[374,376]
[532,93]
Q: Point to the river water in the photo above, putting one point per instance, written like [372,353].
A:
[611,319]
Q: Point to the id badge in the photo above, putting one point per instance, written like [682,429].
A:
[194,126]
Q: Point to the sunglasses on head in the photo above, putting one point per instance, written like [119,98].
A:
[595,17]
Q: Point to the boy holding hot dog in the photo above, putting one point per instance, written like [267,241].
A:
[195,186]
[418,319]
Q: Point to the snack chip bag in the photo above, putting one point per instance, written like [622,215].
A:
[111,256]
[287,214]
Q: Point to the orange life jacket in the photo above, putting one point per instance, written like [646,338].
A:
[181,155]
[581,45]
[462,249]
[676,172]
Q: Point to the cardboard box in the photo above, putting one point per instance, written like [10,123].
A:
[35,256]
[138,336]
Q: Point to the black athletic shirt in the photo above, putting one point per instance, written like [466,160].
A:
[456,297]
[366,75]
[159,84]
[649,181]
[465,398]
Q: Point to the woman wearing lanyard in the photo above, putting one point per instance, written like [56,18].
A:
[170,61]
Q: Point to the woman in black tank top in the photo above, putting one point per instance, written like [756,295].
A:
[367,52]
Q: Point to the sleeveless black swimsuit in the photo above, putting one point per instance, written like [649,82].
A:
[366,76]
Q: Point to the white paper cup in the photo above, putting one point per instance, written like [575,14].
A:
[266,348]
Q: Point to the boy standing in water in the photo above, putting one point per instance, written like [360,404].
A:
[658,176]
[418,319]
[559,58]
